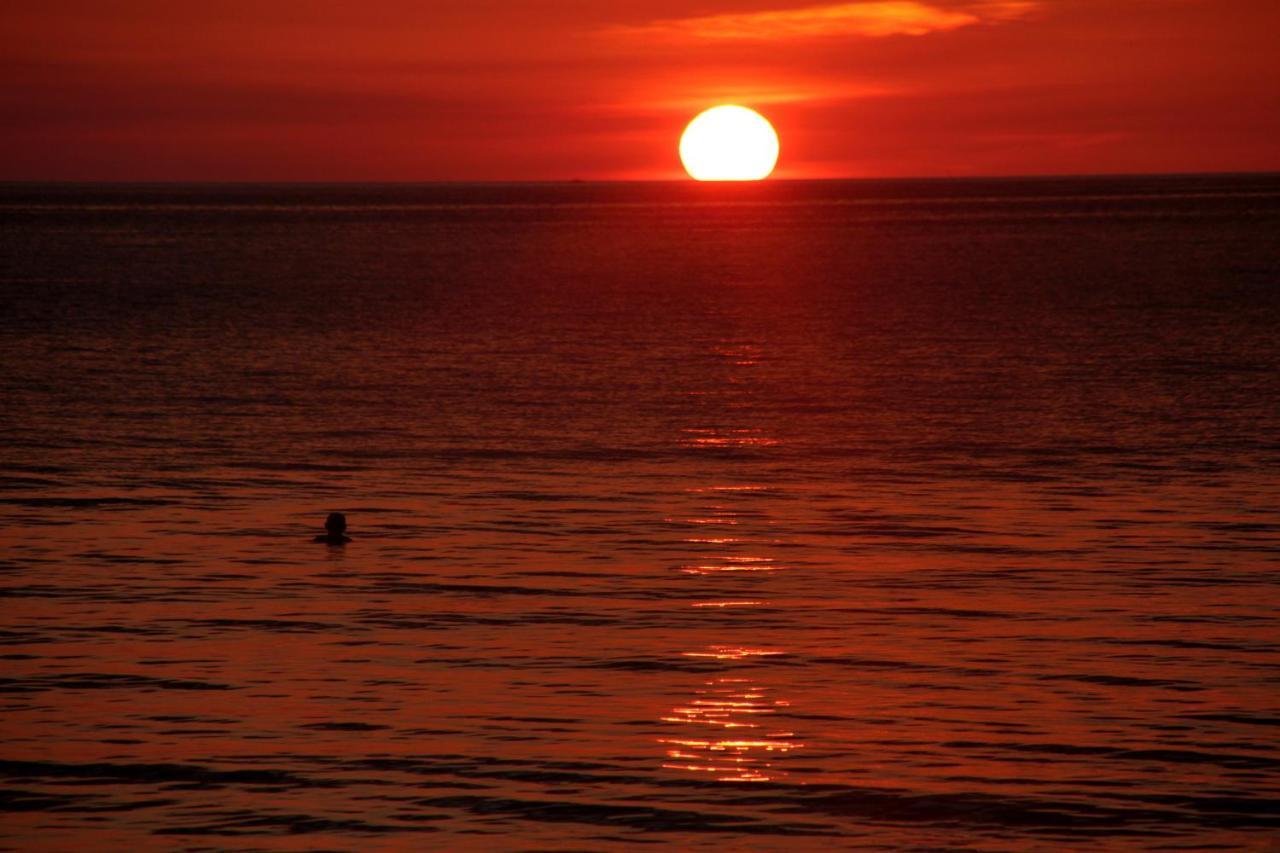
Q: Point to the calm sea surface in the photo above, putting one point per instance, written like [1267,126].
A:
[891,515]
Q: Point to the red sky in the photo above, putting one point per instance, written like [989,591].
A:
[552,89]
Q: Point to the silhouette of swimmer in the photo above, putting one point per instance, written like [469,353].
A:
[336,525]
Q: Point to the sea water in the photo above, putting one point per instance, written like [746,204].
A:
[897,515]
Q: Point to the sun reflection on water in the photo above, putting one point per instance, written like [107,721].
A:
[727,438]
[731,653]
[697,490]
[732,739]
[727,519]
[741,354]
[729,730]
[732,563]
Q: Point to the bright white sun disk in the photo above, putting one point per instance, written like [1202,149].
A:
[729,143]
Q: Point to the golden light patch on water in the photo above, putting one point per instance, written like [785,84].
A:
[702,520]
[742,355]
[732,653]
[695,437]
[724,705]
[733,564]
[704,489]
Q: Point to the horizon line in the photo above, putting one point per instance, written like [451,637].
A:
[1015,176]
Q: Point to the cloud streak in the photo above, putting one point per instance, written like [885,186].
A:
[876,19]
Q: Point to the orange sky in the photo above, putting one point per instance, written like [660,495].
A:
[553,89]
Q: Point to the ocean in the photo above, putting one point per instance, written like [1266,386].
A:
[901,515]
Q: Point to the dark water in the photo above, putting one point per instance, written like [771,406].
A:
[915,515]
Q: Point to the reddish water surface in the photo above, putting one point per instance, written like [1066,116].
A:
[919,515]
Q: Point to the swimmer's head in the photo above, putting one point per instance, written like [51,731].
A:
[336,523]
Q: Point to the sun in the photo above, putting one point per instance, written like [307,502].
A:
[729,143]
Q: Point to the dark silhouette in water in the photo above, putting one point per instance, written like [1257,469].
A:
[336,525]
